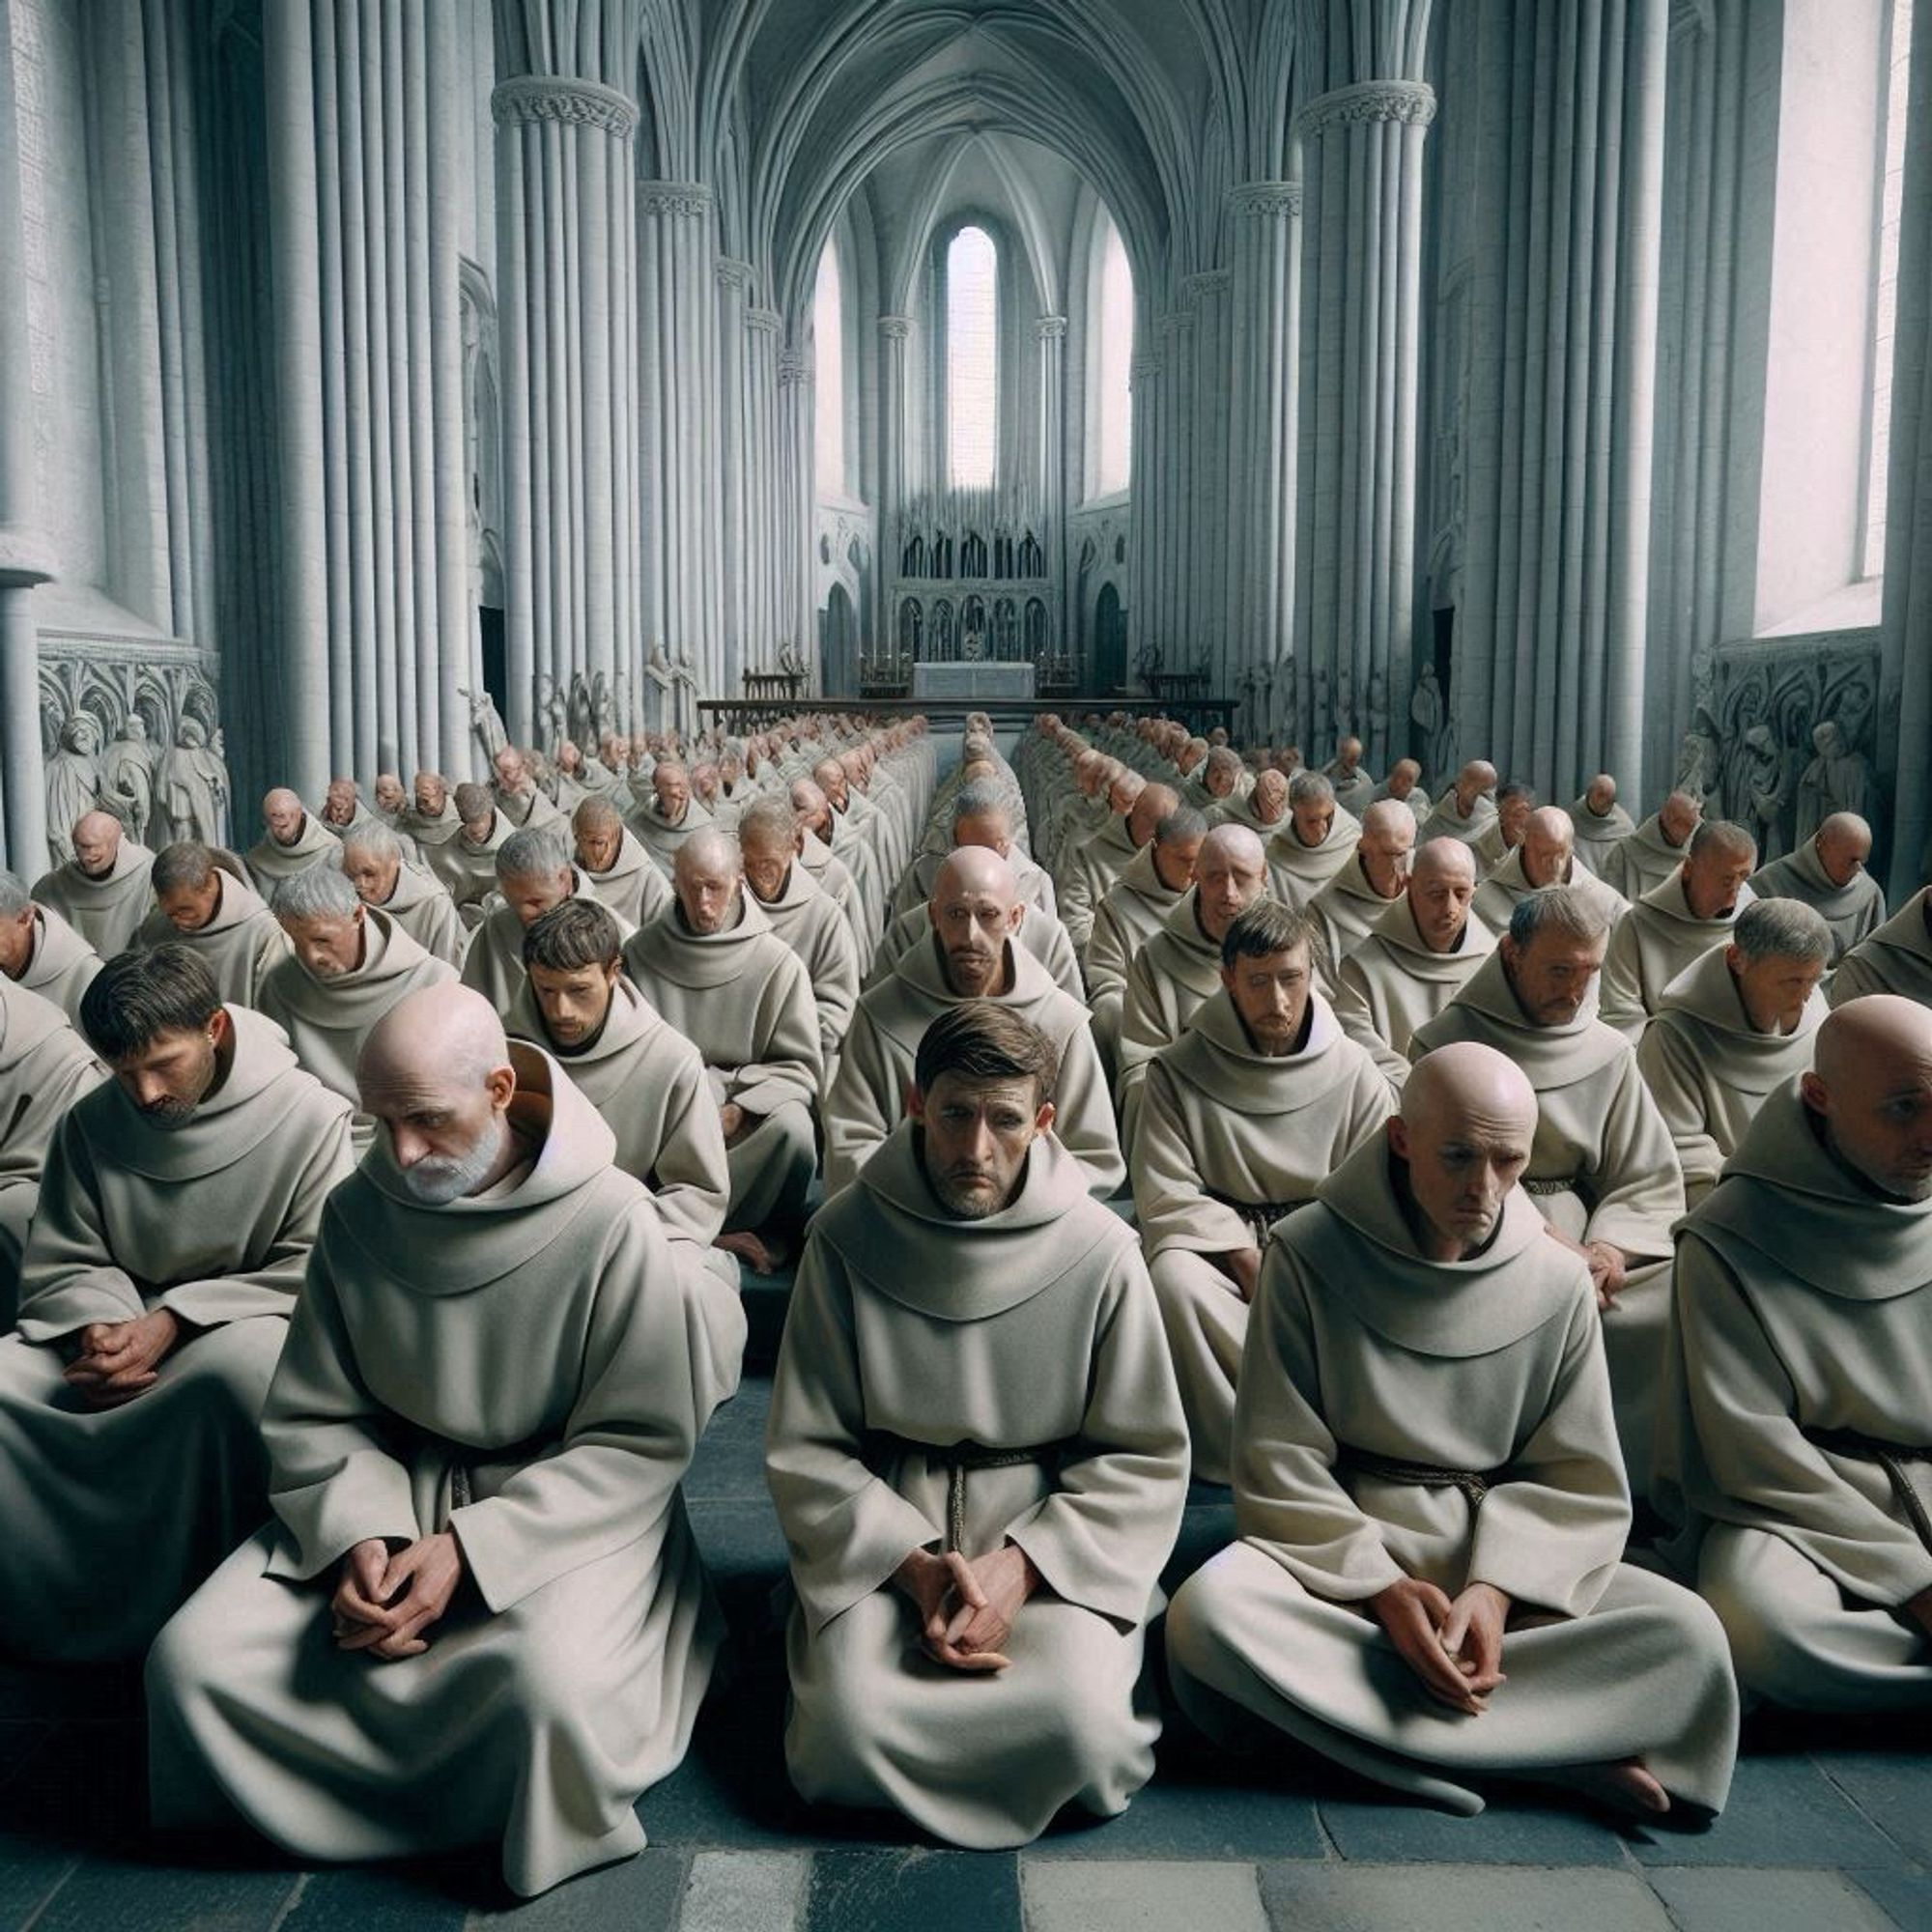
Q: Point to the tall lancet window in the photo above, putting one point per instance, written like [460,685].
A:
[1893,96]
[828,333]
[1113,353]
[972,359]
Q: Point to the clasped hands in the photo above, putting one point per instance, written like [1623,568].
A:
[115,1361]
[1603,1259]
[966,1610]
[1456,1648]
[384,1602]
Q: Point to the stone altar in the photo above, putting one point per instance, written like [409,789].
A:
[985,681]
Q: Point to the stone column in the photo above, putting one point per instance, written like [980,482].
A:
[1146,508]
[1206,485]
[1051,331]
[764,538]
[1354,542]
[894,331]
[1174,463]
[734,282]
[796,477]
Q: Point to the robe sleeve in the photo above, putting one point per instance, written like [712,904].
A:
[1076,900]
[1084,1114]
[1107,961]
[68,1278]
[1063,965]
[1169,1203]
[835,984]
[846,1528]
[790,1066]
[1101,1538]
[691,1178]
[1669,1067]
[1145,1027]
[861,1108]
[1852,978]
[1355,1012]
[1635,1185]
[1620,998]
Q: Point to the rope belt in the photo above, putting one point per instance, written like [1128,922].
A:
[1260,1215]
[1549,1187]
[962,1459]
[464,1459]
[1892,1458]
[1474,1484]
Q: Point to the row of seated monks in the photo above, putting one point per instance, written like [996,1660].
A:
[1490,1193]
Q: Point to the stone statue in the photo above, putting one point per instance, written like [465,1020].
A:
[684,696]
[1344,704]
[192,791]
[1320,720]
[1838,779]
[127,773]
[74,782]
[1427,713]
[657,669]
[1699,761]
[599,708]
[1766,784]
[548,713]
[486,721]
[1378,721]
[579,722]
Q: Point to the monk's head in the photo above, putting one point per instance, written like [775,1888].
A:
[704,782]
[188,884]
[810,803]
[372,862]
[1177,847]
[157,1021]
[513,771]
[1722,856]
[389,795]
[1268,802]
[1552,953]
[1600,794]
[338,805]
[324,917]
[1441,883]
[975,910]
[1475,778]
[670,784]
[16,925]
[1222,772]
[983,1094]
[1266,971]
[436,1072]
[1388,838]
[97,844]
[1090,772]
[476,807]
[597,833]
[1288,760]
[1189,755]
[1548,840]
[569,757]
[1459,1142]
[708,876]
[980,816]
[1870,1088]
[573,954]
[1153,804]
[432,793]
[533,870]
[1348,755]
[1514,803]
[1311,808]
[829,774]
[283,814]
[1230,874]
[1777,953]
[1843,844]
[1677,817]
[1404,777]
[768,843]
[1122,790]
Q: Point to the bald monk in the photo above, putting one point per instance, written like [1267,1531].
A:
[178,1208]
[518,797]
[44,1066]
[979,1462]
[533,874]
[973,953]
[204,907]
[1828,873]
[1414,959]
[1088,868]
[1603,1170]
[345,967]
[1896,958]
[1544,856]
[1219,783]
[342,806]
[1403,784]
[466,864]
[1083,810]
[374,863]
[714,967]
[1314,843]
[1801,1376]
[478,1612]
[291,841]
[1345,911]
[612,861]
[829,871]
[1354,785]
[1264,809]
[1135,906]
[856,835]
[1466,809]
[1240,1119]
[430,817]
[1514,801]
[980,816]
[1677,922]
[39,951]
[1654,850]
[1599,823]
[391,800]
[104,890]
[1429,1587]
[672,815]
[1734,1026]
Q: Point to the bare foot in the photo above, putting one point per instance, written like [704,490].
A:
[752,1251]
[1623,1786]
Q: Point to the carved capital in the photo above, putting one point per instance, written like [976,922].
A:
[794,368]
[1051,327]
[27,558]
[732,274]
[673,198]
[1210,282]
[895,327]
[765,321]
[1176,322]
[580,103]
[1266,200]
[1141,370]
[1411,103]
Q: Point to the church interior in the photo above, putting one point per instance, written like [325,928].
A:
[965,963]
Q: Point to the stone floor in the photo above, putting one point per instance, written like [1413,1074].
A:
[1824,1832]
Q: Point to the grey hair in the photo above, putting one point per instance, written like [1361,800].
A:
[536,852]
[316,892]
[1782,929]
[1306,784]
[1559,909]
[595,811]
[1722,835]
[374,837]
[1183,822]
[14,897]
[187,863]
[1224,758]
[768,819]
[981,798]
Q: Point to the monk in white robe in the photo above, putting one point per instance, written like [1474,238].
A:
[518,797]
[718,972]
[202,906]
[1428,1586]
[375,863]
[534,872]
[104,890]
[41,951]
[1466,809]
[1603,1170]
[1599,823]
[1136,906]
[828,870]
[1677,922]
[1403,784]
[1354,783]
[1801,1377]
[429,819]
[466,864]
[1828,873]
[973,953]
[672,815]
[1345,911]
[1654,850]
[1735,1026]
[982,816]
[178,1207]
[1240,1119]
[292,840]
[479,1613]
[1897,959]
[1263,809]
[1039,932]
[342,807]
[1416,959]
[1087,870]
[1514,803]
[1544,856]
[612,861]
[44,1066]
[1315,842]
[978,1460]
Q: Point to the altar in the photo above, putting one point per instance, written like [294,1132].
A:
[954,679]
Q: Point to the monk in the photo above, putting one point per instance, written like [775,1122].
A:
[1514,801]
[291,841]
[39,951]
[390,798]
[1828,873]
[714,967]
[1345,911]
[1733,1027]
[1896,958]
[973,953]
[430,818]
[1599,823]
[671,817]
[1135,906]
[478,1613]
[1676,922]
[978,1460]
[374,863]
[1801,1376]
[518,797]
[533,874]
[1240,1121]
[1546,855]
[1429,1587]
[1403,784]
[1354,785]
[1088,868]
[466,864]
[1414,959]
[1264,810]
[103,892]
[980,815]
[612,861]
[1654,850]
[828,870]
[206,908]
[1466,809]
[178,1207]
[1317,840]
[342,806]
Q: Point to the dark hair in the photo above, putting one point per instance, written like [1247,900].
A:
[136,997]
[571,937]
[982,1042]
[1265,928]
[187,863]
[1183,822]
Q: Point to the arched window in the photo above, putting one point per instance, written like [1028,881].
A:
[828,330]
[1894,97]
[1112,358]
[972,359]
